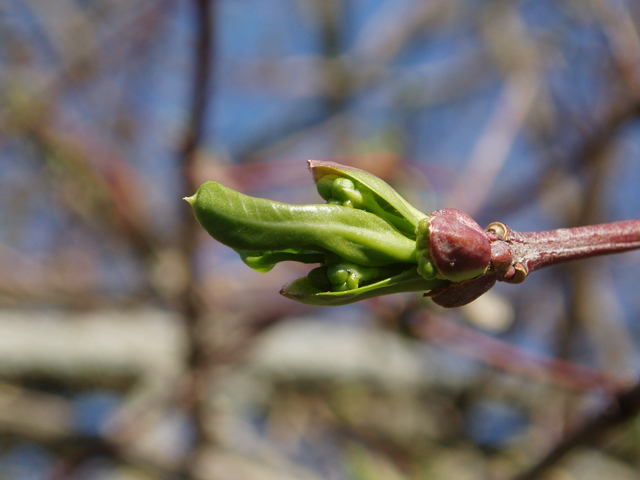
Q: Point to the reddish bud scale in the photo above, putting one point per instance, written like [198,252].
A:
[459,294]
[458,247]
[501,259]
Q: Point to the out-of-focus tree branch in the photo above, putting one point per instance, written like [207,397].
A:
[575,158]
[350,72]
[190,307]
[509,358]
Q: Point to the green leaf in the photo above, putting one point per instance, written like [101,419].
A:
[264,261]
[302,291]
[371,194]
[260,225]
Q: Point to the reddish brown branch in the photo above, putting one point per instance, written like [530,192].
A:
[516,254]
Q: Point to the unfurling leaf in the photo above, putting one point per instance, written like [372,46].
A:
[367,240]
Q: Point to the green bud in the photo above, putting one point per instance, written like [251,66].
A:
[425,266]
[344,190]
[338,274]
[366,192]
[325,186]
[319,280]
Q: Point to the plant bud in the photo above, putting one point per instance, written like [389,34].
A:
[457,247]
[459,294]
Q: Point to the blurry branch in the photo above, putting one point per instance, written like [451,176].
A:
[590,306]
[596,310]
[101,190]
[620,410]
[491,151]
[77,47]
[31,110]
[108,195]
[623,38]
[336,77]
[425,85]
[595,138]
[203,62]
[335,86]
[359,69]
[591,143]
[91,179]
[508,358]
[516,55]
[96,183]
[296,77]
[384,36]
[190,306]
[295,127]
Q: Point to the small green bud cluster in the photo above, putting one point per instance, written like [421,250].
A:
[344,276]
[340,191]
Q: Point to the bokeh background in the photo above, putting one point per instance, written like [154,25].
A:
[133,346]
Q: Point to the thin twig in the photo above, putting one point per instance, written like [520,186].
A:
[530,251]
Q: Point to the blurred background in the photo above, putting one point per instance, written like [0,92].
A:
[133,346]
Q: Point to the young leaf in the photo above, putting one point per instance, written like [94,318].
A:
[256,224]
[302,290]
[368,193]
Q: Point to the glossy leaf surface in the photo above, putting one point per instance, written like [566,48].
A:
[377,196]
[256,224]
[301,290]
